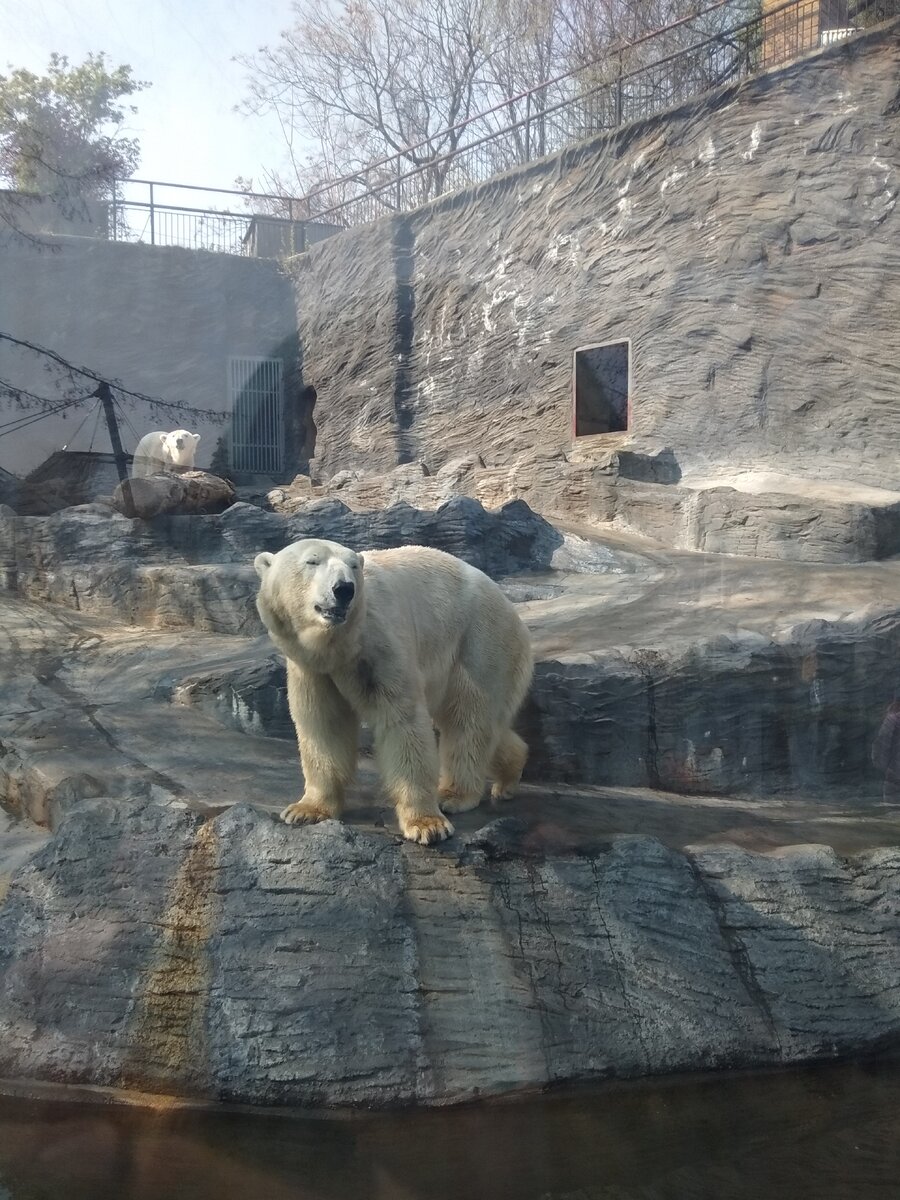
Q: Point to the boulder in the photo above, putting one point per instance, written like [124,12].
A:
[167,492]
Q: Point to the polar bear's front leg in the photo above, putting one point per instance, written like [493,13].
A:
[328,736]
[406,752]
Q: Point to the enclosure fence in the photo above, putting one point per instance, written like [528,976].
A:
[221,220]
[255,401]
[658,71]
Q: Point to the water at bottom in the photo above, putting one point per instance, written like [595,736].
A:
[829,1134]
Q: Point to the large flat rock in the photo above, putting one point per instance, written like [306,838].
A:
[238,958]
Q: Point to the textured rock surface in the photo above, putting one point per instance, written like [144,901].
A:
[172,935]
[197,571]
[738,712]
[93,710]
[243,959]
[86,713]
[728,714]
[762,514]
[681,672]
[151,945]
[748,244]
[19,840]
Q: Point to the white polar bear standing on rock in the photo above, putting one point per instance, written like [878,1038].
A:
[406,640]
[158,451]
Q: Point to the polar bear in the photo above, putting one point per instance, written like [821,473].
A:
[406,640]
[158,451]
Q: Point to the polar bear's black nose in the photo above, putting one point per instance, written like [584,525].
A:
[344,591]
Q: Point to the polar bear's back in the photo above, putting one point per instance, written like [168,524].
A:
[438,592]
[149,455]
[452,614]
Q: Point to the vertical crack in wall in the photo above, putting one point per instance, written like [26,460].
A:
[478,1023]
[646,661]
[540,900]
[629,1009]
[737,952]
[404,252]
[168,1045]
[500,886]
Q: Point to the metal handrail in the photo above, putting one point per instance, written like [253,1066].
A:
[194,187]
[370,198]
[183,208]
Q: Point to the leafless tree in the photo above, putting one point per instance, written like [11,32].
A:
[391,102]
[376,79]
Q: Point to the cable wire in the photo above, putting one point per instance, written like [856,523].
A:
[96,427]
[69,441]
[31,418]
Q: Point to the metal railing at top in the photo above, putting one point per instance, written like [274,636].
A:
[221,220]
[663,68]
[658,71]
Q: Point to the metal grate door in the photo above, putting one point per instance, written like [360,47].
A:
[257,421]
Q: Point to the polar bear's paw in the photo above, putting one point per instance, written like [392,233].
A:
[453,801]
[426,829]
[305,812]
[501,791]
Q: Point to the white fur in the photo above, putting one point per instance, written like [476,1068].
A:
[426,641]
[158,451]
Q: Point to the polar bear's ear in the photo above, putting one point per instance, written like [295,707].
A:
[196,437]
[361,559]
[262,562]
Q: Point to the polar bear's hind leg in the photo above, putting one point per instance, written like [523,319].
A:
[466,726]
[507,764]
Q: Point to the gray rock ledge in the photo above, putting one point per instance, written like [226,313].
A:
[240,959]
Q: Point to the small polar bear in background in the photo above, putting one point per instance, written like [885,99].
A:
[159,451]
[406,640]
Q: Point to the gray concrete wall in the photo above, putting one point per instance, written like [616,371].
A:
[748,244]
[162,320]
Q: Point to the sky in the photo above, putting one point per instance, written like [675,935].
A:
[185,122]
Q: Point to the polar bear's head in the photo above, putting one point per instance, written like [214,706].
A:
[311,584]
[179,447]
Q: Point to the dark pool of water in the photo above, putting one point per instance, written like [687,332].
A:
[827,1134]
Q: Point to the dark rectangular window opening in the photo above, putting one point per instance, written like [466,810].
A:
[601,387]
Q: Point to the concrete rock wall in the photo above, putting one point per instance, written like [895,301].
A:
[160,319]
[748,243]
